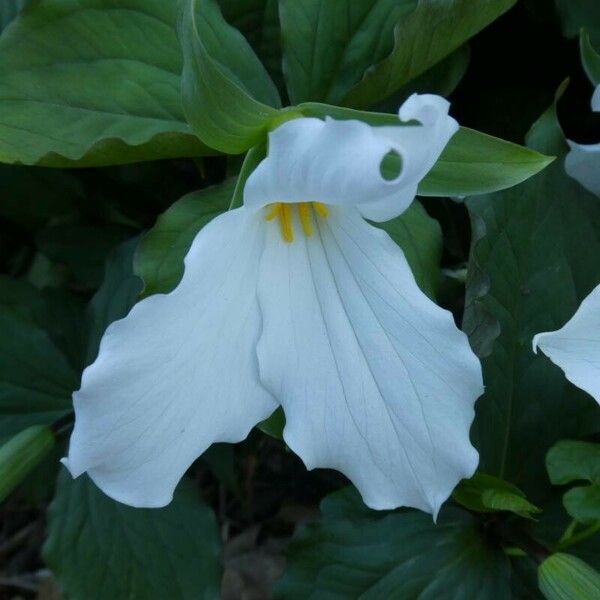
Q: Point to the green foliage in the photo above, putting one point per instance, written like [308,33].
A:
[529,270]
[570,461]
[566,577]
[56,107]
[575,14]
[159,259]
[9,9]
[126,552]
[357,553]
[328,46]
[228,97]
[36,379]
[484,493]
[421,39]
[21,454]
[589,58]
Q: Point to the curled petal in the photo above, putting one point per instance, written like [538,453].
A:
[376,381]
[575,348]
[339,162]
[177,374]
[583,164]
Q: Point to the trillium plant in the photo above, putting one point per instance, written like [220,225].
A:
[299,299]
[295,300]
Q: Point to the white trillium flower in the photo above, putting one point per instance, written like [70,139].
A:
[583,160]
[575,348]
[294,300]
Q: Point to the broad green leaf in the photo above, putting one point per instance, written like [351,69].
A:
[590,58]
[21,454]
[420,237]
[353,552]
[575,14]
[484,493]
[570,461]
[159,258]
[109,93]
[476,163]
[472,162]
[258,20]
[228,97]
[328,46]
[36,379]
[9,9]
[115,297]
[566,577]
[441,79]
[529,270]
[421,39]
[100,549]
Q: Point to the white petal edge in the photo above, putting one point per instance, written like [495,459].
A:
[177,374]
[376,381]
[575,348]
[338,162]
[583,164]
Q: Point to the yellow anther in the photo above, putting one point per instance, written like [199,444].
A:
[273,211]
[287,231]
[283,211]
[305,220]
[321,209]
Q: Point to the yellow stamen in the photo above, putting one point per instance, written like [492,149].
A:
[321,209]
[305,220]
[285,219]
[273,211]
[283,211]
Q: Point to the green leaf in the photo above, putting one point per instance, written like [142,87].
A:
[575,14]
[56,107]
[472,162]
[100,549]
[115,297]
[159,258]
[21,454]
[529,270]
[570,461]
[328,46]
[420,238]
[228,97]
[36,379]
[476,163]
[9,9]
[485,493]
[566,577]
[421,39]
[258,21]
[589,58]
[357,553]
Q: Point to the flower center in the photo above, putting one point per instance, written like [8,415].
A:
[283,212]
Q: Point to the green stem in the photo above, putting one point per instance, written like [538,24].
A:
[579,537]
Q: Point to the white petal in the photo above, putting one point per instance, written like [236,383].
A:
[575,348]
[419,147]
[375,380]
[178,373]
[583,164]
[338,162]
